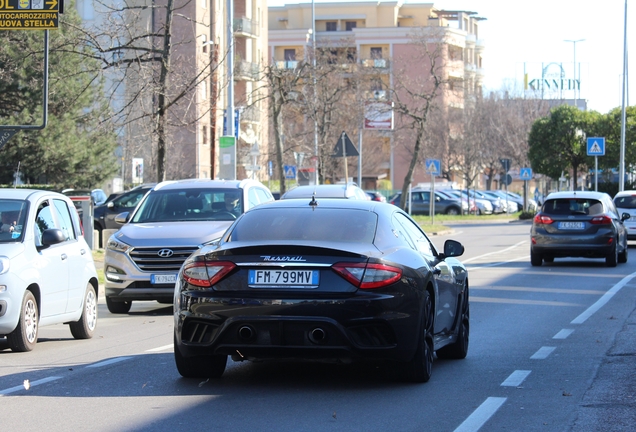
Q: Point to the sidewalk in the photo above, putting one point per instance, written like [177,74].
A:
[610,402]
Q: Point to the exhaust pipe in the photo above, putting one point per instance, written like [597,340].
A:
[317,336]
[246,333]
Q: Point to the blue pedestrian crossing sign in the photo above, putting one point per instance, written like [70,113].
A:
[433,166]
[290,171]
[525,173]
[596,146]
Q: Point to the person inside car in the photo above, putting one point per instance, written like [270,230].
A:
[232,204]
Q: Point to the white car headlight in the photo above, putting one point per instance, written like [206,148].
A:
[116,245]
[5,264]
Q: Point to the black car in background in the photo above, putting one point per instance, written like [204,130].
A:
[104,215]
[322,279]
[579,224]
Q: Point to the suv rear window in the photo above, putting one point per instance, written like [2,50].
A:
[573,206]
[337,225]
[626,202]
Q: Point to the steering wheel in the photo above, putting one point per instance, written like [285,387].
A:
[226,213]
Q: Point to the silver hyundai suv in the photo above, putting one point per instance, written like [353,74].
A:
[174,219]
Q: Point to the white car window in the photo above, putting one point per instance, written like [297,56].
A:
[65,220]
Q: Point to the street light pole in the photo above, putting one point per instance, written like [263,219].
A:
[313,63]
[621,171]
[230,77]
[574,67]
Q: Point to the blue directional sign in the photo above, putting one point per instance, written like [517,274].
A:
[433,166]
[596,146]
[525,173]
[290,171]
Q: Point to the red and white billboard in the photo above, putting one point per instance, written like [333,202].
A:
[378,115]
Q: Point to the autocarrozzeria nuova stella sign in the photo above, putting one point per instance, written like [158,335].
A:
[29,14]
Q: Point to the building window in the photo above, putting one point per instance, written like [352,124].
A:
[350,25]
[376,52]
[332,26]
[204,134]
[290,54]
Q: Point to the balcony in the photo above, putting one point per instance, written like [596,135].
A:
[375,63]
[286,64]
[246,27]
[244,70]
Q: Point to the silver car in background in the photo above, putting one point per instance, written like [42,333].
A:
[172,221]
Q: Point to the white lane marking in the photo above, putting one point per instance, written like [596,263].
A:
[498,263]
[563,334]
[32,384]
[481,415]
[516,378]
[495,252]
[543,353]
[161,348]
[604,299]
[108,362]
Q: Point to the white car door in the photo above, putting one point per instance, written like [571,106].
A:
[77,253]
[52,265]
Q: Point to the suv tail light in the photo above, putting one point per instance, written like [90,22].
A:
[206,274]
[601,220]
[368,276]
[542,219]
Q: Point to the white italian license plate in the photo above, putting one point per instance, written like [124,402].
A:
[156,279]
[572,225]
[269,278]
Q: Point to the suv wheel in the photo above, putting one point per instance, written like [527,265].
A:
[535,259]
[118,307]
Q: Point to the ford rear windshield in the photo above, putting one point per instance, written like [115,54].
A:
[321,224]
[573,206]
[626,202]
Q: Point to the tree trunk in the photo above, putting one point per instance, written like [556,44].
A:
[161,98]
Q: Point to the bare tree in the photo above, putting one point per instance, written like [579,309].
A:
[284,90]
[415,95]
[156,74]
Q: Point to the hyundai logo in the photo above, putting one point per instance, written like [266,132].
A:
[165,253]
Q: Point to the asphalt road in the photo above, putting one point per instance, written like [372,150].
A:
[552,349]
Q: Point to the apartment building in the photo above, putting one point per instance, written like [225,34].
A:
[379,35]
[198,69]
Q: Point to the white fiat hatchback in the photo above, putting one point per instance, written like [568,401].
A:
[47,273]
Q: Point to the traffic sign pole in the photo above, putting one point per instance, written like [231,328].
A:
[596,173]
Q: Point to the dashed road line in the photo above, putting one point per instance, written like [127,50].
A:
[543,353]
[481,415]
[516,378]
[108,362]
[563,334]
[27,386]
[161,348]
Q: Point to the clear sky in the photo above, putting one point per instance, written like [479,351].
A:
[530,36]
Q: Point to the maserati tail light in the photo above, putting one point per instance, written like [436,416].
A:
[206,274]
[368,276]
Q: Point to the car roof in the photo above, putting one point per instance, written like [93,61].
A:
[338,203]
[323,190]
[577,194]
[205,184]
[23,194]
[625,193]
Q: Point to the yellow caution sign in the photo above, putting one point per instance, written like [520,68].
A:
[29,14]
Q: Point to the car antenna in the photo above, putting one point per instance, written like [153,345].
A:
[313,203]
